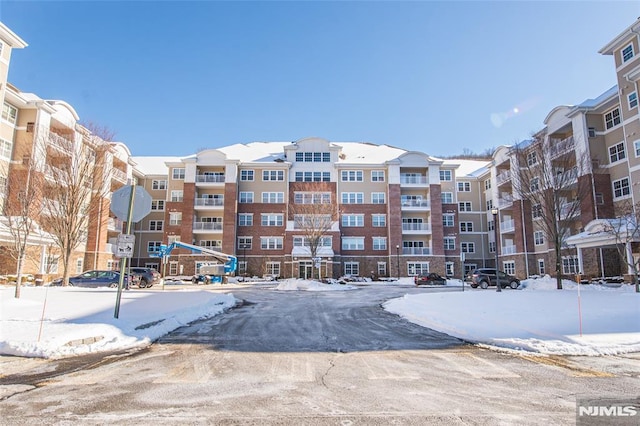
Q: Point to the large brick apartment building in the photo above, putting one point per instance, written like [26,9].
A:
[394,212]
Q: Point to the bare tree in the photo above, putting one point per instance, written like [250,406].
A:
[22,213]
[313,215]
[625,228]
[77,180]
[550,175]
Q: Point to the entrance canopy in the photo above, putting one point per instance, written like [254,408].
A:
[606,232]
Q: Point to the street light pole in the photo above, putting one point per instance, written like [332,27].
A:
[494,212]
[398,260]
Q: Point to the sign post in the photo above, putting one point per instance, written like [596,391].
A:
[130,203]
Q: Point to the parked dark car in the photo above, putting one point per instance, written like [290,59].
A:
[429,278]
[146,276]
[485,277]
[201,279]
[94,278]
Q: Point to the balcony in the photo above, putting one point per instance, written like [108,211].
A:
[119,175]
[209,203]
[410,204]
[569,210]
[503,177]
[507,226]
[421,251]
[210,179]
[201,227]
[416,228]
[505,201]
[414,180]
[567,178]
[508,250]
[60,143]
[557,147]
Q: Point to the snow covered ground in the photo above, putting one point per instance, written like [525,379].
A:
[56,322]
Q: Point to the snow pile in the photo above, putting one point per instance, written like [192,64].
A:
[293,284]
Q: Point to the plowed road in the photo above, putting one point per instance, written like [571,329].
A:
[306,358]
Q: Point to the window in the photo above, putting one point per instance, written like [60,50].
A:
[245,243]
[621,188]
[633,100]
[612,118]
[273,268]
[159,184]
[449,243]
[466,226]
[352,220]
[532,158]
[627,53]
[51,264]
[379,220]
[592,132]
[468,247]
[509,267]
[175,218]
[246,197]
[176,196]
[538,238]
[352,268]
[271,219]
[246,175]
[245,219]
[382,269]
[211,244]
[157,205]
[570,265]
[352,198]
[487,184]
[489,204]
[616,152]
[155,225]
[599,198]
[534,185]
[541,270]
[417,268]
[273,197]
[271,243]
[464,187]
[353,243]
[448,219]
[636,147]
[491,225]
[536,211]
[445,175]
[178,173]
[446,197]
[5,149]
[465,206]
[378,198]
[153,246]
[172,239]
[313,177]
[448,269]
[379,243]
[377,175]
[9,113]
[312,198]
[313,157]
[492,246]
[351,175]
[273,175]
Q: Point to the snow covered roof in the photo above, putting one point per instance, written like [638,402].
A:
[153,165]
[469,168]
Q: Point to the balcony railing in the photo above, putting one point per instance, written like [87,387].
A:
[414,180]
[503,177]
[415,203]
[61,143]
[570,210]
[416,227]
[209,202]
[560,146]
[507,226]
[119,175]
[210,178]
[207,226]
[416,250]
[505,201]
[508,249]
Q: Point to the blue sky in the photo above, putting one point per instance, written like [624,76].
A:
[172,78]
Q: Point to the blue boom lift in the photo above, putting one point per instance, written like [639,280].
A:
[216,271]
